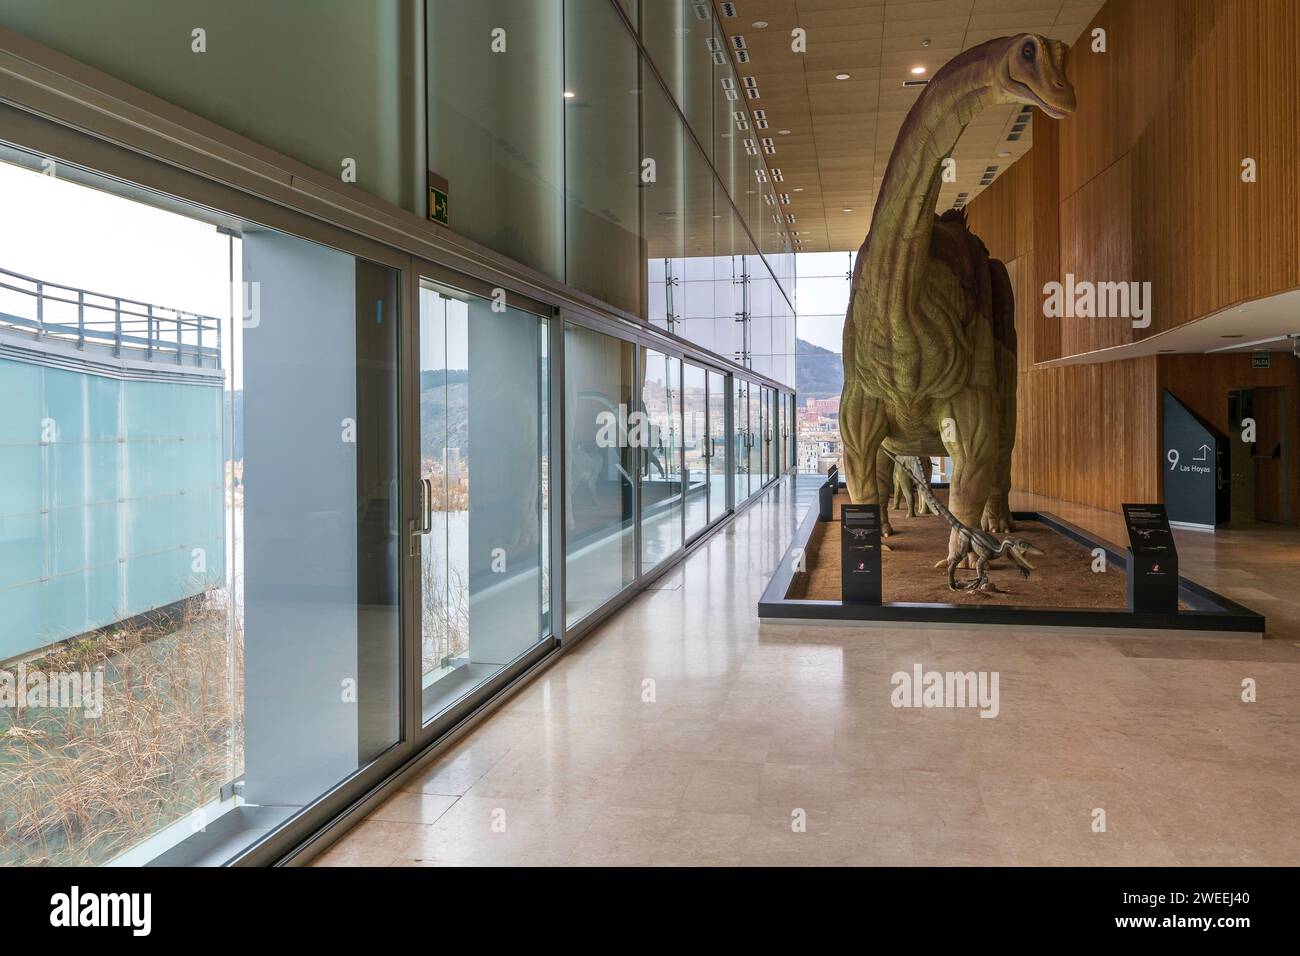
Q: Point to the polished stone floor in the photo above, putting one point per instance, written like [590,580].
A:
[683,731]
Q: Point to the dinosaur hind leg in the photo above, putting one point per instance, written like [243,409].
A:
[969,428]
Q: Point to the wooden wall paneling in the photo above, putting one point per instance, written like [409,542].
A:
[1143,183]
[1045,212]
[1097,246]
[1002,223]
[1087,433]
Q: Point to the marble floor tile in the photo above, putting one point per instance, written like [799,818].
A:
[778,743]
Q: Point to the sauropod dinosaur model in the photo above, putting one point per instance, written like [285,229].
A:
[905,496]
[929,337]
[969,541]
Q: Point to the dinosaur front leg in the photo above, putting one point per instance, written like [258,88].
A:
[863,424]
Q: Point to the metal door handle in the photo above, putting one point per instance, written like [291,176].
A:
[426,506]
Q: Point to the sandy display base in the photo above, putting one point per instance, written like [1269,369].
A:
[1062,576]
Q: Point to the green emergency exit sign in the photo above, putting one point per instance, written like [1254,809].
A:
[438,199]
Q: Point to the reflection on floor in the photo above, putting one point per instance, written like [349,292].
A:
[746,730]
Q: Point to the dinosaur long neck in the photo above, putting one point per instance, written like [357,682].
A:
[895,253]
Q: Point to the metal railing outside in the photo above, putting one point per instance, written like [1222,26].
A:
[139,330]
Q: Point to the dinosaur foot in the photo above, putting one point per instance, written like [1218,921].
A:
[988,587]
[886,529]
[997,517]
[967,563]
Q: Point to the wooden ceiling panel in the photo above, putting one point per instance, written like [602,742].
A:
[843,131]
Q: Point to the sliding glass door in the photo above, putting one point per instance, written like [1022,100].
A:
[783,436]
[483,518]
[708,450]
[792,438]
[696,446]
[766,446]
[740,437]
[600,462]
[719,444]
[660,450]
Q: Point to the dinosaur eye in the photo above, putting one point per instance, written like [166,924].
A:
[1027,51]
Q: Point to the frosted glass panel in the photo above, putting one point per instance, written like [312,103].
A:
[599,484]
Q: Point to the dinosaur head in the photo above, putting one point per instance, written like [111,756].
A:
[1019,548]
[1032,71]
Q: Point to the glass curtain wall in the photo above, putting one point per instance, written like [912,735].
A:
[209,508]
[602,162]
[198,521]
[496,141]
[637,179]
[483,471]
[824,285]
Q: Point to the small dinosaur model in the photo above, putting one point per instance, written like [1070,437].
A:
[975,542]
[930,336]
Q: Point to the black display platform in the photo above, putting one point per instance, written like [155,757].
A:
[1208,611]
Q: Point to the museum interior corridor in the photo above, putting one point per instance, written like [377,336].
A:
[710,433]
[753,720]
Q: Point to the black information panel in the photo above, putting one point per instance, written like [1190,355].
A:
[860,554]
[1197,467]
[826,495]
[1153,559]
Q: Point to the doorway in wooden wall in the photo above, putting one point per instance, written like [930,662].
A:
[1259,475]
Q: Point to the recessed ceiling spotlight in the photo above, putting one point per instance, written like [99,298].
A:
[848,209]
[797,189]
[841,76]
[1003,154]
[918,70]
[759,24]
[569,94]
[783,132]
